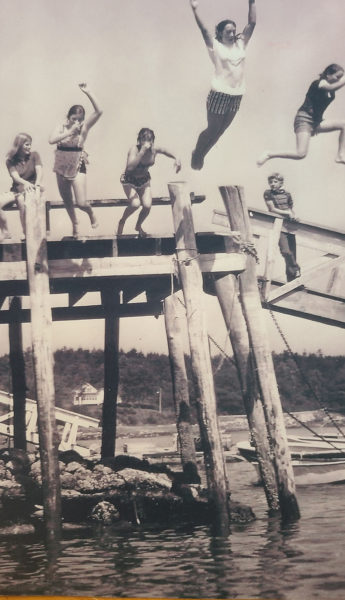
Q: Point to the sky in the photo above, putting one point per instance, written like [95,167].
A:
[147,64]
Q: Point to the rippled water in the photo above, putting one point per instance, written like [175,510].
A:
[301,561]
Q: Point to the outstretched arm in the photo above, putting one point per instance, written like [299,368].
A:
[205,33]
[249,28]
[92,119]
[177,162]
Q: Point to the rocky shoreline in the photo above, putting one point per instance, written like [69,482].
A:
[123,491]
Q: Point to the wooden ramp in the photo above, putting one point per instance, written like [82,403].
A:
[319,293]
[70,422]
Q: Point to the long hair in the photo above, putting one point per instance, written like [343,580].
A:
[18,144]
[221,26]
[143,134]
[77,109]
[330,70]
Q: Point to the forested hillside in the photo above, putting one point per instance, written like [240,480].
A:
[142,376]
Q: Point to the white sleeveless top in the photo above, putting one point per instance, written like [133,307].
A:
[229,67]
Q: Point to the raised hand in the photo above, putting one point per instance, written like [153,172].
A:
[194,4]
[83,87]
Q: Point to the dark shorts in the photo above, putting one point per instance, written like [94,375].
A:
[136,182]
[305,122]
[221,104]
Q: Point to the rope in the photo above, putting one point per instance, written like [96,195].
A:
[305,379]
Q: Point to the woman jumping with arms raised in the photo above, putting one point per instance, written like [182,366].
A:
[309,118]
[227,52]
[71,158]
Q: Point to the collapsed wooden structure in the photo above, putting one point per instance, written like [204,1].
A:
[123,268]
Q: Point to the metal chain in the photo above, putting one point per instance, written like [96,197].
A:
[249,248]
[303,377]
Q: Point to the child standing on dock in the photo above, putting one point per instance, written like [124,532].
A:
[279,201]
[136,180]
[71,158]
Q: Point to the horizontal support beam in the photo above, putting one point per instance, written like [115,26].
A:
[123,266]
[80,313]
[109,202]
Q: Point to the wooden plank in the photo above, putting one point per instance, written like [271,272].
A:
[175,323]
[109,202]
[111,302]
[41,336]
[227,292]
[191,282]
[307,274]
[124,266]
[80,313]
[237,212]
[271,254]
[17,366]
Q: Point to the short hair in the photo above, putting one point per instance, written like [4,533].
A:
[18,144]
[76,109]
[221,26]
[275,176]
[330,70]
[144,133]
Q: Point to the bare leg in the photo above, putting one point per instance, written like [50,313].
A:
[79,189]
[65,189]
[335,126]
[134,203]
[216,125]
[21,206]
[302,145]
[5,199]
[145,195]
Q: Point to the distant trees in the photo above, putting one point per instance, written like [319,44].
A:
[316,378]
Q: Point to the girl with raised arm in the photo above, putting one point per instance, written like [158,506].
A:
[227,52]
[309,118]
[71,158]
[25,169]
[136,178]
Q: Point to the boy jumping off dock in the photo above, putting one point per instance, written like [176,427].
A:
[280,202]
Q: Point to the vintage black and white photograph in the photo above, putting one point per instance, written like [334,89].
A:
[172,299]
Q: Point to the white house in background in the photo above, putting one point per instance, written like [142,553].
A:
[87,394]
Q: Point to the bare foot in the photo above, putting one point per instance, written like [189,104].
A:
[263,159]
[75,232]
[340,159]
[94,223]
[141,232]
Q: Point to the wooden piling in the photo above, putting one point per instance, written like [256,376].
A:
[272,248]
[233,198]
[173,326]
[110,301]
[192,285]
[41,335]
[227,292]
[17,366]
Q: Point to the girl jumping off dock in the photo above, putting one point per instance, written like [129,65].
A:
[309,118]
[136,178]
[71,158]
[227,52]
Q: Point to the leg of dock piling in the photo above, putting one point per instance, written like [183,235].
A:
[179,378]
[233,198]
[110,301]
[17,366]
[41,333]
[227,292]
[192,285]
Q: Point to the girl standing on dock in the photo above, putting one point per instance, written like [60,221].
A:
[227,52]
[309,118]
[71,158]
[25,169]
[136,178]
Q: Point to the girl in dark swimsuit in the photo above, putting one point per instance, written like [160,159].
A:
[309,117]
[136,178]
